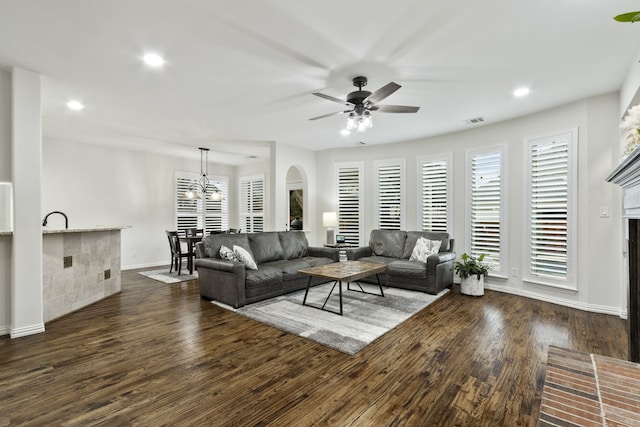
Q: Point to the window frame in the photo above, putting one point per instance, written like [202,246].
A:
[378,164]
[359,166]
[448,158]
[201,213]
[501,272]
[571,281]
[249,214]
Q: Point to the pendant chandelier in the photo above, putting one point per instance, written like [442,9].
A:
[203,187]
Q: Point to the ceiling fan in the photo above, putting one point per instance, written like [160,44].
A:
[362,102]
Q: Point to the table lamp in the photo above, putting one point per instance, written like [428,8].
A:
[330,220]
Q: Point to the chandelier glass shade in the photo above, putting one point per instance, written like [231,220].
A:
[203,186]
[359,121]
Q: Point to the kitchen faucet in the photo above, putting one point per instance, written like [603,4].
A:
[66,220]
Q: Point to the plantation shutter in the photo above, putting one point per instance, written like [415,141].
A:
[486,215]
[549,207]
[252,203]
[188,211]
[199,213]
[390,195]
[217,212]
[434,192]
[349,202]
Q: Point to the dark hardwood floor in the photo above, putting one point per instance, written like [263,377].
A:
[157,354]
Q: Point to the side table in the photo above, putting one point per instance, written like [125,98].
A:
[341,247]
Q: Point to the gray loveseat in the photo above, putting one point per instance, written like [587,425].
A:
[278,255]
[394,248]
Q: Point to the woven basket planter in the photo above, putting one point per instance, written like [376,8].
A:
[472,285]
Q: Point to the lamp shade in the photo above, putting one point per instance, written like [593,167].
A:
[329,219]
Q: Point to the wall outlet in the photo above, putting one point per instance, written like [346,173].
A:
[514,272]
[134,254]
[107,274]
[100,277]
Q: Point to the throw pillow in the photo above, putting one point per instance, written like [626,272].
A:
[226,253]
[423,248]
[244,257]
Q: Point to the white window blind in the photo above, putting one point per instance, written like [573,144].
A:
[550,200]
[486,207]
[390,178]
[348,178]
[434,192]
[200,213]
[252,203]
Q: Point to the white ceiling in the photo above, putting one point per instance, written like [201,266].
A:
[240,74]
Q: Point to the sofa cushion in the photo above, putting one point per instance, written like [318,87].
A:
[378,259]
[265,247]
[213,242]
[388,243]
[423,248]
[294,244]
[316,261]
[263,276]
[289,268]
[405,268]
[243,256]
[413,236]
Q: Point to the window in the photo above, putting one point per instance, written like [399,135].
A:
[349,181]
[551,190]
[390,197]
[252,203]
[201,213]
[485,210]
[434,193]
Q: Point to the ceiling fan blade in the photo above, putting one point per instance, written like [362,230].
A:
[331,98]
[328,115]
[382,93]
[395,109]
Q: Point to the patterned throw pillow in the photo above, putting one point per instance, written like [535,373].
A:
[244,257]
[226,253]
[423,248]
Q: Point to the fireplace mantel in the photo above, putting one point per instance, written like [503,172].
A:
[627,175]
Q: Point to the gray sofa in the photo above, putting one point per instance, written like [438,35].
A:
[278,255]
[394,248]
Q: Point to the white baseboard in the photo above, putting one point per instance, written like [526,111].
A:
[147,265]
[27,330]
[5,330]
[615,311]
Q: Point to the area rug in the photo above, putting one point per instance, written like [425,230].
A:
[165,277]
[365,317]
[582,389]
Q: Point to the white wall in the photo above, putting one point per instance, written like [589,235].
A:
[96,185]
[599,267]
[5,175]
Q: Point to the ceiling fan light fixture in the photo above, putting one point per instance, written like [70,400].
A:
[351,121]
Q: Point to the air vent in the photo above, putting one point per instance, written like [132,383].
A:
[474,121]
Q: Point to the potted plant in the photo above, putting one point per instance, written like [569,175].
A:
[472,272]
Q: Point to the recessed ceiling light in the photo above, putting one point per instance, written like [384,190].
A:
[75,105]
[345,132]
[153,60]
[523,91]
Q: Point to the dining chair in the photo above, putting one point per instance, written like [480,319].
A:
[176,252]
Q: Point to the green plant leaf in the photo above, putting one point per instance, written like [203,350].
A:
[628,17]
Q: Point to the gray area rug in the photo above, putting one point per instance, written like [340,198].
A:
[164,276]
[365,317]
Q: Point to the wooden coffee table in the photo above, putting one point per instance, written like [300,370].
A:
[347,271]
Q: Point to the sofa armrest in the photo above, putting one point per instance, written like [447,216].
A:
[354,254]
[222,280]
[331,253]
[440,257]
[200,250]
